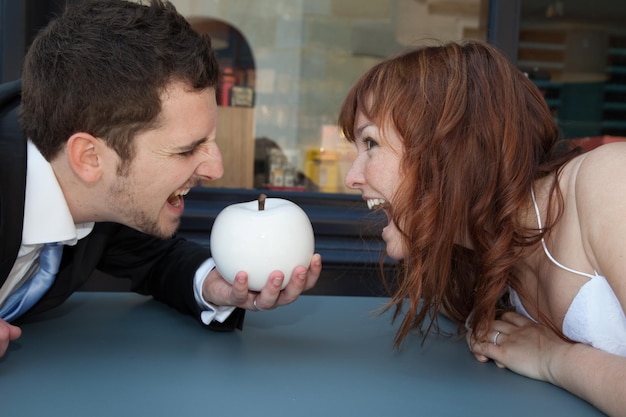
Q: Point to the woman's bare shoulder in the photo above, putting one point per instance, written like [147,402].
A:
[601,168]
[600,198]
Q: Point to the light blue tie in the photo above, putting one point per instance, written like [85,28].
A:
[32,290]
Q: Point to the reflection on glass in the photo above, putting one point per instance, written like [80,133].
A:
[575,51]
[305,56]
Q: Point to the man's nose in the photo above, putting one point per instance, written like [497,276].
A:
[212,167]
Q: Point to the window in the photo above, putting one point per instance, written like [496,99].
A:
[305,56]
[575,51]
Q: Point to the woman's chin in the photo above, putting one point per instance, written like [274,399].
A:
[395,249]
[395,252]
[395,257]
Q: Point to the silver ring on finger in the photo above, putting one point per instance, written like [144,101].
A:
[256,307]
[495,338]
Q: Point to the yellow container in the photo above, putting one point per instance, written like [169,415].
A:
[321,167]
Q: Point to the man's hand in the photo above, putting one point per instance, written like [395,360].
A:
[220,292]
[8,333]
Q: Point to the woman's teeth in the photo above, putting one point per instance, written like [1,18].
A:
[375,203]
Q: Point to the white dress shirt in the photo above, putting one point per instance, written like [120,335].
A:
[47,218]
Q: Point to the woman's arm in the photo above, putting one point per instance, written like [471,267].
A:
[534,350]
[601,203]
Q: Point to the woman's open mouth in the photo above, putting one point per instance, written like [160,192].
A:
[376,203]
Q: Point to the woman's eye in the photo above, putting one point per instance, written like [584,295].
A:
[369,143]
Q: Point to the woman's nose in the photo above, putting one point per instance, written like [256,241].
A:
[354,177]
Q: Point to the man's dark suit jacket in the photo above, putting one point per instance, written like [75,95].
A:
[157,267]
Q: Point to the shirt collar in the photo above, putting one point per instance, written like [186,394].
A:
[47,217]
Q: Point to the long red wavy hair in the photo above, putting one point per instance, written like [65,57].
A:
[477,133]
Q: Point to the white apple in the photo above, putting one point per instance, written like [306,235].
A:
[259,237]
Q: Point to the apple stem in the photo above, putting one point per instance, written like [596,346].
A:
[262,198]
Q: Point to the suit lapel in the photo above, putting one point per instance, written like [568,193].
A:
[12,177]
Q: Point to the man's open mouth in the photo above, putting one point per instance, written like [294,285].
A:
[176,199]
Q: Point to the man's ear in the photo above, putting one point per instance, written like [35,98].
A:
[83,154]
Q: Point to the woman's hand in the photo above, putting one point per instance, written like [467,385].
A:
[535,351]
[521,345]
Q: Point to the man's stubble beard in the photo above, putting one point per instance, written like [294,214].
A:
[121,198]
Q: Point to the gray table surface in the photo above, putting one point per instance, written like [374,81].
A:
[121,354]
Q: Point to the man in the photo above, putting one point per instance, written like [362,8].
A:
[119,113]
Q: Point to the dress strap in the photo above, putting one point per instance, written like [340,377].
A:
[545,248]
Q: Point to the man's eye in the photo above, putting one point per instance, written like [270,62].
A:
[187,153]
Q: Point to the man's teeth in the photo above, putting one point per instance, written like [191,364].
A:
[175,199]
[375,203]
[182,192]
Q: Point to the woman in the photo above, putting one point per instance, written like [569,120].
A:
[522,245]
